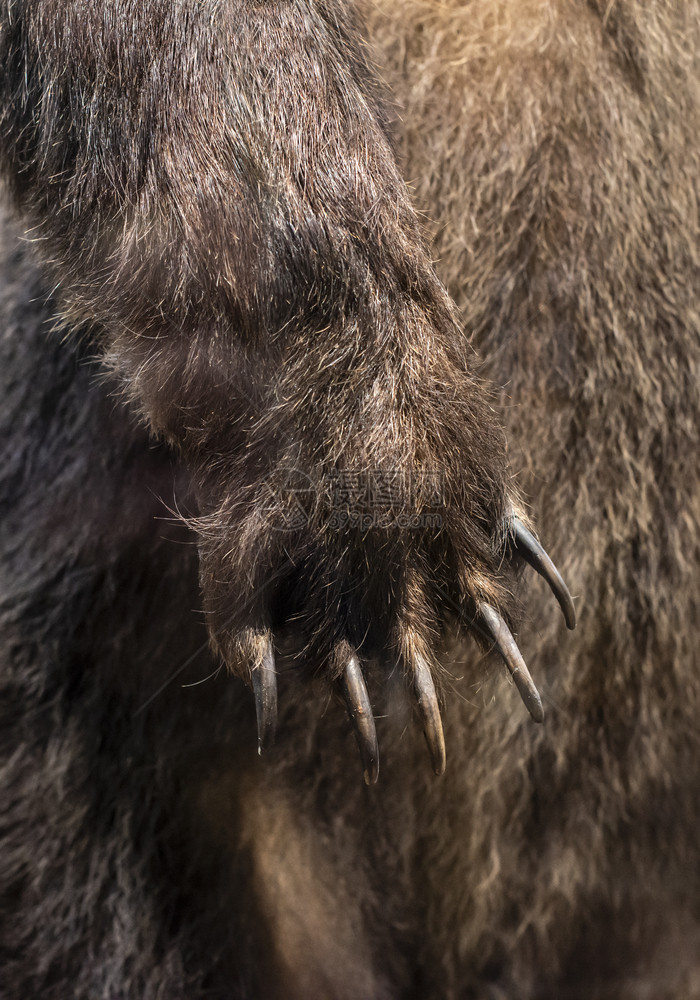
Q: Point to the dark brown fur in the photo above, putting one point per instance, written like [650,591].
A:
[212,188]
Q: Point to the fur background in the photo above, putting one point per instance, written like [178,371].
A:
[553,147]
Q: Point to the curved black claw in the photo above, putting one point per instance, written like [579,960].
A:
[264,681]
[430,713]
[360,712]
[507,647]
[532,552]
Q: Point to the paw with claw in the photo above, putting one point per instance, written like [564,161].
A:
[268,304]
[346,614]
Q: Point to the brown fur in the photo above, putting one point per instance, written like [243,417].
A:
[557,146]
[251,263]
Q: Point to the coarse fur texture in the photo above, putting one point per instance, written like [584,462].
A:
[219,220]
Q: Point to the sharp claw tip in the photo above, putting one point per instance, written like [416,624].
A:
[531,697]
[508,648]
[533,553]
[439,767]
[430,713]
[264,682]
[361,717]
[437,755]
[265,742]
